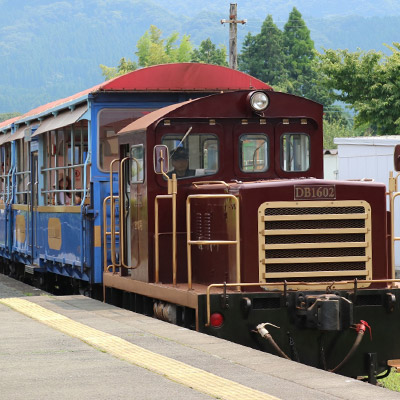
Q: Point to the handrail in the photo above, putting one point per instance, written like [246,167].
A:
[172,192]
[84,190]
[200,183]
[105,234]
[190,242]
[112,215]
[121,200]
[285,284]
[62,167]
[393,193]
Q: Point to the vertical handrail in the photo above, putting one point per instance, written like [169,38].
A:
[105,233]
[172,192]
[83,219]
[190,242]
[112,215]
[393,193]
[121,182]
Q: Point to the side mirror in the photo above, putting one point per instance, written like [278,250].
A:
[396,158]
[161,159]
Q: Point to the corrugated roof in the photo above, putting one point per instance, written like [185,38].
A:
[63,119]
[190,77]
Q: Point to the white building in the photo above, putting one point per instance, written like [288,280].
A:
[370,158]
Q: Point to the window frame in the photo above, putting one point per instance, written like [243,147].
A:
[100,157]
[268,152]
[282,151]
[207,136]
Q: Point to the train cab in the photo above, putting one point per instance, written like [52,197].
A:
[229,139]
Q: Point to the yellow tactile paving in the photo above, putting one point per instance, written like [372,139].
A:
[177,371]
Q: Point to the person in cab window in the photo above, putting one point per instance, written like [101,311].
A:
[180,163]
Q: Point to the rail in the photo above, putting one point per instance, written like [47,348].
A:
[83,192]
[191,242]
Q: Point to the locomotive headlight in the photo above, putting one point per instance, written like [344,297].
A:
[259,101]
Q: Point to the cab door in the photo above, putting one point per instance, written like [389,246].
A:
[133,212]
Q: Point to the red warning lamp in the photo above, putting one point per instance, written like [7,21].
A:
[216,320]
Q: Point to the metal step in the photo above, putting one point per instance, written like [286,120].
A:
[30,269]
[394,364]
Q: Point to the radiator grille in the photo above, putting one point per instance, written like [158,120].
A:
[315,241]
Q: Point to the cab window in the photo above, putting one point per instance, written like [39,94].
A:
[110,121]
[193,155]
[253,153]
[137,163]
[295,152]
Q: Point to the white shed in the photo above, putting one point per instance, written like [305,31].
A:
[331,164]
[366,157]
[370,158]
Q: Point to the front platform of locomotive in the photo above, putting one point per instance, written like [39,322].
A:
[293,264]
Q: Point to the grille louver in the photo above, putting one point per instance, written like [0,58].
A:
[315,241]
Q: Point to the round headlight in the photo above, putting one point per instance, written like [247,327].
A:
[259,101]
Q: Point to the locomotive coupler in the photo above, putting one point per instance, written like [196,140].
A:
[327,312]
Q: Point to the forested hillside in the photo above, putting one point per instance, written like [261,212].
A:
[51,49]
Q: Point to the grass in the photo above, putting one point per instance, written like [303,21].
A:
[391,382]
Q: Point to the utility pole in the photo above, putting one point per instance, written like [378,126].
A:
[232,21]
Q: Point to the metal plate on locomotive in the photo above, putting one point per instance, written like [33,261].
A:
[314,192]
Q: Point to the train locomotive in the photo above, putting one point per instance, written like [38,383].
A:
[250,244]
[195,194]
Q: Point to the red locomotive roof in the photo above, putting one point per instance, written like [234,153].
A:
[190,77]
[185,77]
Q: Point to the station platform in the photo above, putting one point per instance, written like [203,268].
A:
[73,347]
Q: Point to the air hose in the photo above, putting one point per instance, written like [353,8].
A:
[360,328]
[266,335]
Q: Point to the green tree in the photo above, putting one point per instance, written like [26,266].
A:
[262,55]
[209,53]
[6,116]
[299,50]
[285,60]
[369,82]
[336,128]
[124,66]
[152,49]
[303,76]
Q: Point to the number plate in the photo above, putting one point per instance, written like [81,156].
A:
[314,192]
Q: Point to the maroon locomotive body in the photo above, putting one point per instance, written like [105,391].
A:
[250,235]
